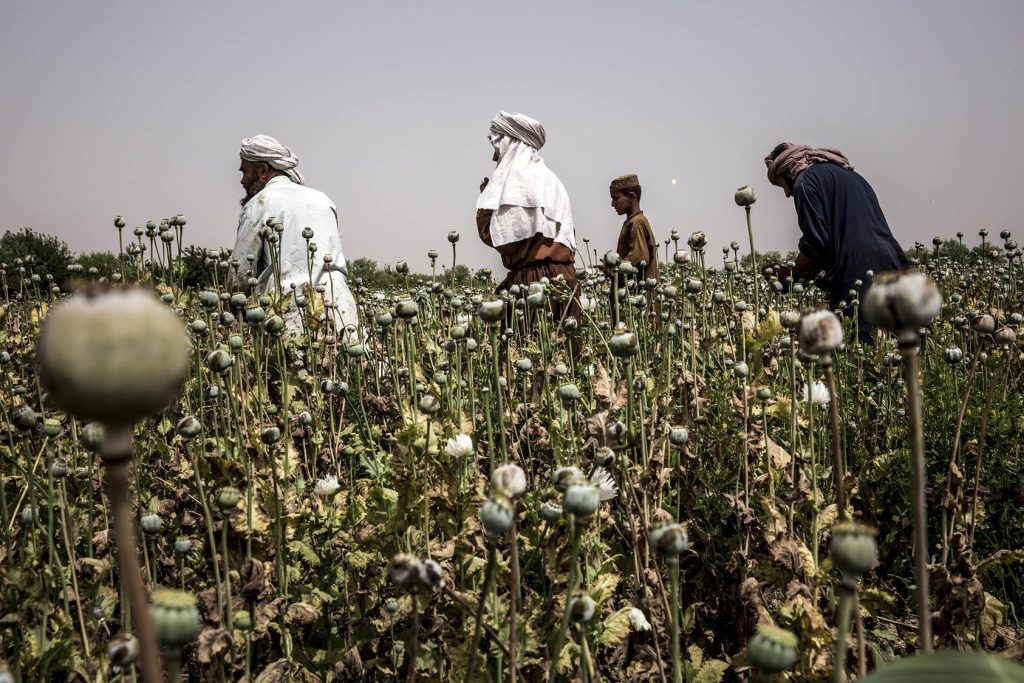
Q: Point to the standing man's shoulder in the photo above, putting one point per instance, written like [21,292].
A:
[278,193]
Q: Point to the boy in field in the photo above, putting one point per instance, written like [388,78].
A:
[637,243]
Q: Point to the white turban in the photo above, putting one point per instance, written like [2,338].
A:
[263,148]
[527,198]
[520,127]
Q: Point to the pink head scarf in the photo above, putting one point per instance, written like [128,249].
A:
[788,160]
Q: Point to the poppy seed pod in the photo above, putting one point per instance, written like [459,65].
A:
[854,549]
[243,620]
[624,345]
[615,432]
[404,570]
[51,427]
[581,498]
[228,497]
[612,259]
[453,236]
[491,311]
[740,370]
[92,436]
[182,545]
[430,575]
[604,457]
[123,650]
[904,303]
[255,315]
[561,477]
[568,393]
[219,360]
[679,436]
[745,196]
[29,514]
[820,332]
[270,435]
[429,404]
[772,650]
[983,324]
[551,512]
[582,609]
[209,299]
[509,480]
[669,539]
[274,325]
[1004,335]
[151,523]
[524,364]
[407,309]
[175,617]
[25,419]
[497,516]
[114,357]
[189,427]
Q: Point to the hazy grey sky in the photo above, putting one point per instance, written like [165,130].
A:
[138,107]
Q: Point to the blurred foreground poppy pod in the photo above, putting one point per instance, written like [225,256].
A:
[115,356]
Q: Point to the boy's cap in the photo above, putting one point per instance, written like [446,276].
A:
[625,182]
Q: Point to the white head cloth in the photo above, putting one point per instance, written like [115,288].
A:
[526,196]
[266,149]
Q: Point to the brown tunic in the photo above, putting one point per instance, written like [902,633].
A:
[637,243]
[531,259]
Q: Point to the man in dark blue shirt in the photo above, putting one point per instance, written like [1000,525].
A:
[844,233]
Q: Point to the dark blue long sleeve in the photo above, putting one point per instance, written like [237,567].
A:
[843,229]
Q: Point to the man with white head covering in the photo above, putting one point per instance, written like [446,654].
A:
[523,210]
[291,232]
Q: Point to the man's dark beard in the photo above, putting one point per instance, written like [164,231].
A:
[251,191]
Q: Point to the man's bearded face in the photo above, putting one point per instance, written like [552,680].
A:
[251,181]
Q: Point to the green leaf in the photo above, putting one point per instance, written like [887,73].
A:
[712,672]
[615,628]
[604,587]
[305,552]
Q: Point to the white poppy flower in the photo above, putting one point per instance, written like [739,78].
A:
[327,486]
[816,393]
[602,479]
[638,621]
[459,447]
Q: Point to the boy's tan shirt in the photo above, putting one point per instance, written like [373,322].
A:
[637,243]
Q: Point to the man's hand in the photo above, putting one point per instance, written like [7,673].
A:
[483,183]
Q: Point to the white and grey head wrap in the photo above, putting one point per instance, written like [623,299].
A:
[520,127]
[263,148]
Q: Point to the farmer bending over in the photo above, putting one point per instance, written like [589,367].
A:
[844,233]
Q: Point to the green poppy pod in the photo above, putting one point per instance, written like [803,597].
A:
[745,196]
[175,617]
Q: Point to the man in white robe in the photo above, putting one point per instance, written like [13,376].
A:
[275,193]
